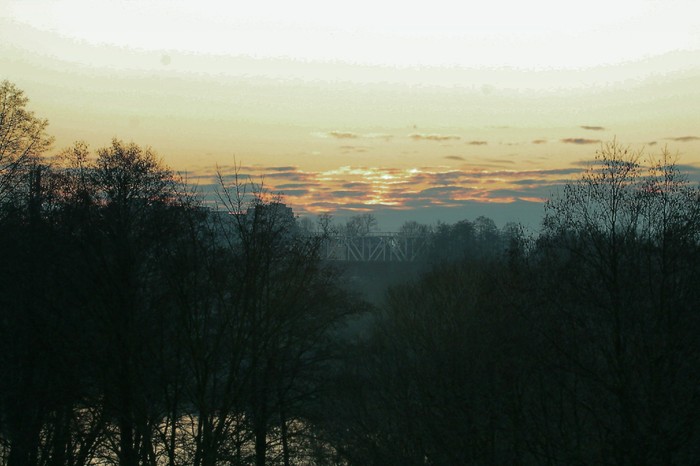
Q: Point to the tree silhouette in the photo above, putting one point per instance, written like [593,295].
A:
[126,203]
[289,302]
[360,225]
[23,138]
[622,244]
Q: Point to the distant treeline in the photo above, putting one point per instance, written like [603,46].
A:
[139,328]
[441,241]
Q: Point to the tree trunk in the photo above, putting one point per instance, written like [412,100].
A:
[285,433]
[260,441]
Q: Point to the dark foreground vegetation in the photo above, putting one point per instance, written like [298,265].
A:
[138,328]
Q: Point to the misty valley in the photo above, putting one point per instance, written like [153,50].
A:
[141,324]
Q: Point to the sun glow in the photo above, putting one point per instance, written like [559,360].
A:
[362,188]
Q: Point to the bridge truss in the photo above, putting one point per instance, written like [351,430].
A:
[374,248]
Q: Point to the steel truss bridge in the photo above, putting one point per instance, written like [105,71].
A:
[387,247]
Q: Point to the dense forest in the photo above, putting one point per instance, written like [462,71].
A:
[138,327]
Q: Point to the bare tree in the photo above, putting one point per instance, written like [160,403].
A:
[289,303]
[361,225]
[624,240]
[23,137]
[126,207]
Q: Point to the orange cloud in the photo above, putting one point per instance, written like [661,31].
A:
[443,188]
[363,188]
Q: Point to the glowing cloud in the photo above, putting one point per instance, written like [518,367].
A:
[362,188]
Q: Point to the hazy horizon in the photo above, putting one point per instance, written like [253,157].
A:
[414,114]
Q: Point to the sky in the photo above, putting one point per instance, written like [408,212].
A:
[413,110]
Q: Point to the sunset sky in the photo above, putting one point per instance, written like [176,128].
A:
[412,110]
